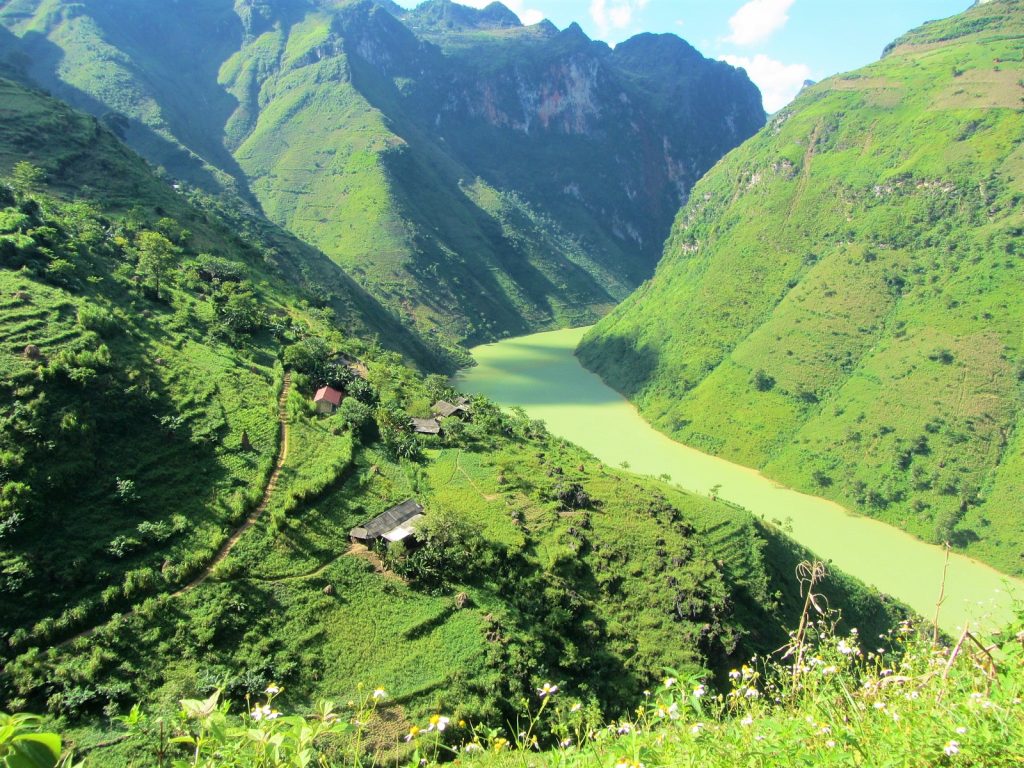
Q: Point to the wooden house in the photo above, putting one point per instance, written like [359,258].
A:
[395,524]
[327,399]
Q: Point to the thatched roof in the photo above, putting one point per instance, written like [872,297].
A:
[444,409]
[426,426]
[392,524]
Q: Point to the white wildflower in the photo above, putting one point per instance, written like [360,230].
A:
[952,748]
[438,722]
[547,690]
[380,693]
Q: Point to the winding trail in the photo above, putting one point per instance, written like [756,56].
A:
[225,550]
[268,491]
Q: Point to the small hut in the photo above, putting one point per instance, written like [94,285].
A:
[443,409]
[327,399]
[395,524]
[425,426]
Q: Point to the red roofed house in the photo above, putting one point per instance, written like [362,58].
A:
[327,399]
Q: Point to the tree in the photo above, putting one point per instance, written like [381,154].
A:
[157,256]
[25,177]
[450,551]
[762,381]
[354,414]
[310,356]
[241,312]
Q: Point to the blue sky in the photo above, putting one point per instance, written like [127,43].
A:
[780,43]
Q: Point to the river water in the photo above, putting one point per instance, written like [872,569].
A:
[541,374]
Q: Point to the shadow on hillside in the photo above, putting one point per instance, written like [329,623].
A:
[90,532]
[869,611]
[619,361]
[43,71]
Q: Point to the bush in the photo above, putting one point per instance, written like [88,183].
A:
[448,550]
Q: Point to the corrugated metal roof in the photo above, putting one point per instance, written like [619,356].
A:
[403,531]
[443,408]
[388,520]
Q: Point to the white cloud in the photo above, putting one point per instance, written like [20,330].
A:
[613,15]
[778,82]
[526,15]
[757,20]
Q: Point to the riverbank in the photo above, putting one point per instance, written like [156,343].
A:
[541,374]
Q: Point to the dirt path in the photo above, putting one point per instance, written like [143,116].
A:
[805,171]
[367,554]
[282,455]
[225,550]
[465,474]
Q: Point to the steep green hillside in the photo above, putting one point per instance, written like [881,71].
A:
[141,338]
[371,132]
[840,302]
[174,515]
[831,701]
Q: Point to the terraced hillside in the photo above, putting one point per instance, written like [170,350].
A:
[370,132]
[127,387]
[839,303]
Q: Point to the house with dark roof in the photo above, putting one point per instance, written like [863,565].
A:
[327,399]
[425,426]
[394,524]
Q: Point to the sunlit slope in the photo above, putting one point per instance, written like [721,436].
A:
[448,251]
[840,302]
[124,414]
[478,177]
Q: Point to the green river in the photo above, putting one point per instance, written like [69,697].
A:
[541,374]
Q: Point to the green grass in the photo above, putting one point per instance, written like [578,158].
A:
[838,304]
[829,698]
[602,599]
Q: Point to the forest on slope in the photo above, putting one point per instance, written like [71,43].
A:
[839,303]
[369,131]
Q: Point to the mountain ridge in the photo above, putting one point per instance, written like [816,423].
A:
[365,129]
